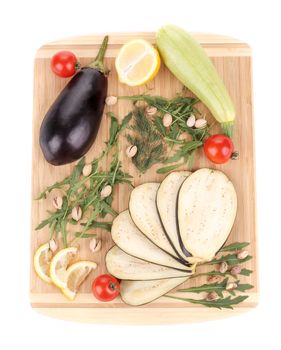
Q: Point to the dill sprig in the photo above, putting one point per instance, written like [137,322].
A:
[180,108]
[148,140]
[85,191]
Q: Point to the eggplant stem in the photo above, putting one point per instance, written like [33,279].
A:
[98,62]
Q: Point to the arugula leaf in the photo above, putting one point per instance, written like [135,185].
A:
[218,287]
[126,120]
[159,125]
[113,131]
[106,208]
[243,287]
[77,171]
[210,287]
[245,272]
[97,224]
[88,197]
[184,150]
[63,233]
[84,235]
[44,223]
[221,303]
[56,185]
[234,246]
[168,168]
[174,133]
[213,273]
[231,259]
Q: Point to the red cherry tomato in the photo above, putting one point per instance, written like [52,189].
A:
[105,287]
[218,148]
[64,64]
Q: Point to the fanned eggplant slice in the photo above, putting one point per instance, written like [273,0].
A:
[207,205]
[142,292]
[131,240]
[126,267]
[143,210]
[167,198]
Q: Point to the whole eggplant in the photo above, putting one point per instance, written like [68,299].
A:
[71,124]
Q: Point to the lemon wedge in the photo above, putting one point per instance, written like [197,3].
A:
[42,259]
[137,62]
[76,275]
[59,265]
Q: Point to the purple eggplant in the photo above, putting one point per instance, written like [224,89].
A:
[71,124]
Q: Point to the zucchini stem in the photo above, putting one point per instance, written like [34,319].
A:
[98,62]
[227,128]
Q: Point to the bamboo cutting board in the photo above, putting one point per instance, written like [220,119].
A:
[232,59]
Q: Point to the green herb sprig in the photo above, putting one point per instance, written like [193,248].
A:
[230,259]
[148,141]
[180,108]
[85,191]
[243,272]
[219,288]
[234,247]
[221,303]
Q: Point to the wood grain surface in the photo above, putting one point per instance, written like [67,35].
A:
[232,59]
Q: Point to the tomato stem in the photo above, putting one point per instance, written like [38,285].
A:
[77,66]
[235,155]
[113,286]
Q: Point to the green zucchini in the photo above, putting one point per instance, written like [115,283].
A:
[187,60]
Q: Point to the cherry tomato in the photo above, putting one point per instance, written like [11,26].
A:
[218,148]
[64,64]
[105,287]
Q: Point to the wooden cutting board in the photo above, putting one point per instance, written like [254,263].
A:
[232,59]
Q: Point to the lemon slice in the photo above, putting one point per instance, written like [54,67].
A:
[59,265]
[137,62]
[75,276]
[42,259]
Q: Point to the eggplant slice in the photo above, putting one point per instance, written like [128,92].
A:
[126,267]
[131,240]
[137,293]
[166,199]
[207,205]
[143,210]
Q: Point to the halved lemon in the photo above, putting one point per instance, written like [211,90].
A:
[59,265]
[42,259]
[137,62]
[76,275]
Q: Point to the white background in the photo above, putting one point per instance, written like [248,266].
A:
[26,25]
